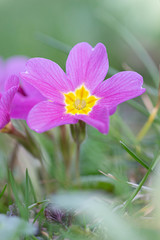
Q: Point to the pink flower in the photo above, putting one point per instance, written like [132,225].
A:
[6,99]
[26,96]
[81,93]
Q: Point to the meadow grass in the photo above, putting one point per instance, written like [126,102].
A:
[114,193]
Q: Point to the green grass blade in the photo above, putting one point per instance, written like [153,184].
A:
[37,204]
[21,208]
[27,194]
[151,90]
[132,42]
[1,194]
[34,238]
[112,71]
[53,42]
[38,214]
[156,159]
[141,109]
[127,131]
[13,186]
[138,107]
[134,155]
[27,189]
[151,168]
[32,190]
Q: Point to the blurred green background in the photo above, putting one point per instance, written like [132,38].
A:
[130,30]
[73,21]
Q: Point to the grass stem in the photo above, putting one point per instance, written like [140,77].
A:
[133,195]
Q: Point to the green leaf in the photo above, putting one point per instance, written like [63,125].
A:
[1,194]
[132,154]
[96,182]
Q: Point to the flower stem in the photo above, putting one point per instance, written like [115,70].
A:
[65,148]
[78,132]
[77,160]
[27,141]
[133,195]
[77,153]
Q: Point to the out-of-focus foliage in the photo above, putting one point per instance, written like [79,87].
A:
[14,227]
[130,30]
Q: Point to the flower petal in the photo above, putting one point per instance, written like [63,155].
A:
[87,65]
[4,118]
[98,118]
[77,62]
[14,65]
[1,74]
[31,91]
[112,110]
[47,115]
[47,77]
[12,81]
[119,88]
[5,105]
[97,67]
[21,105]
[7,98]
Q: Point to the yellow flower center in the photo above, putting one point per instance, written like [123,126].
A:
[80,101]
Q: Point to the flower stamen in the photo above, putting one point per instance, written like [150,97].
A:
[80,104]
[80,101]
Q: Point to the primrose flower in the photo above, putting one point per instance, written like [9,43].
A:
[6,99]
[26,96]
[81,93]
